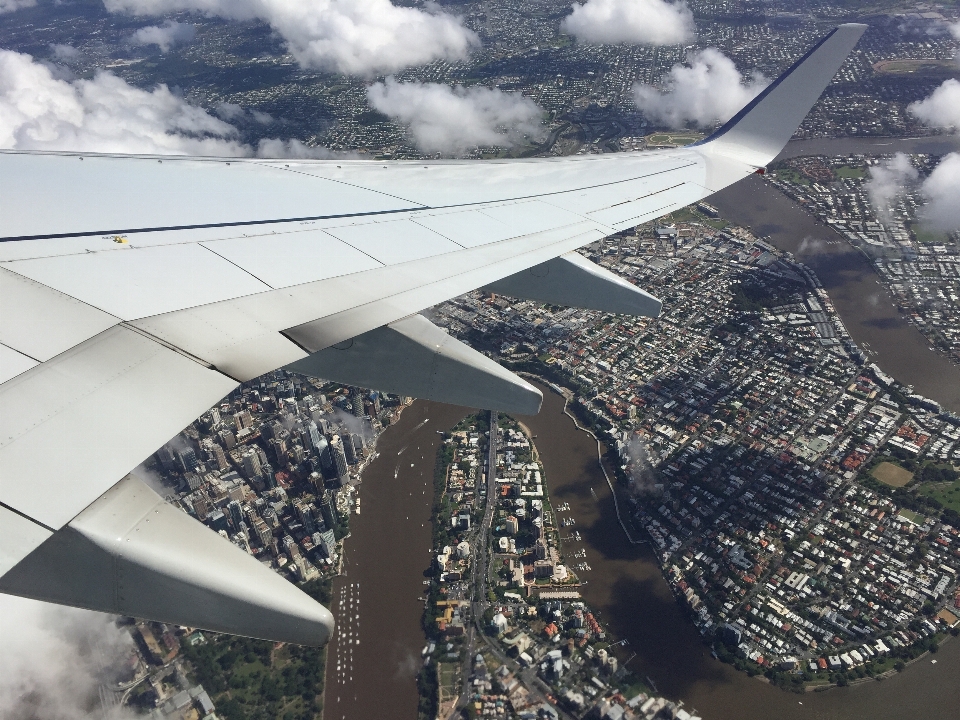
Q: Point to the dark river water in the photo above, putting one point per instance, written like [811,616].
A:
[373,661]
[634,601]
[376,603]
[848,277]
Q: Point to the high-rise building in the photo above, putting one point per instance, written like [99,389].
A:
[192,480]
[314,432]
[513,525]
[541,548]
[279,449]
[327,466]
[187,459]
[214,454]
[297,454]
[269,478]
[339,458]
[251,464]
[263,532]
[356,400]
[290,547]
[227,438]
[326,501]
[289,406]
[328,543]
[243,419]
[236,513]
[349,449]
[359,446]
[305,514]
[201,506]
[167,458]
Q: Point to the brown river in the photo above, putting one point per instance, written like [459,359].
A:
[373,662]
[848,277]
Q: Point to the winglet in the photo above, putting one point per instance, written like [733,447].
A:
[758,133]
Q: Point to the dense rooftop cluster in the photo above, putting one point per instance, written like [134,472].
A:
[757,444]
[921,269]
[273,467]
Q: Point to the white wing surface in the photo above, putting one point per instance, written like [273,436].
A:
[138,291]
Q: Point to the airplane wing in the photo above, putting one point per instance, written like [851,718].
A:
[139,291]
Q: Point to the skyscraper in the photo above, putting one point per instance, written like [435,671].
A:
[356,399]
[187,459]
[326,502]
[269,478]
[339,458]
[167,458]
[314,432]
[251,464]
[348,448]
[236,513]
[228,439]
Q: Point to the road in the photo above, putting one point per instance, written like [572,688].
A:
[479,570]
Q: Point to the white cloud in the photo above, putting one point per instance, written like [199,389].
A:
[39,111]
[64,53]
[231,112]
[165,36]
[942,108]
[452,119]
[356,37]
[887,182]
[707,90]
[653,22]
[11,5]
[274,148]
[942,192]
[51,662]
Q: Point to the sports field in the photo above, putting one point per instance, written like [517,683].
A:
[892,475]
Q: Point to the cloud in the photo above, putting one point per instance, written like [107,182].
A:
[887,182]
[643,476]
[810,245]
[165,36]
[452,119]
[653,22]
[293,148]
[942,210]
[64,53]
[39,111]
[707,90]
[941,108]
[55,659]
[11,5]
[355,37]
[231,112]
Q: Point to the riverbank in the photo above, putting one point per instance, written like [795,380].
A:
[863,303]
[627,589]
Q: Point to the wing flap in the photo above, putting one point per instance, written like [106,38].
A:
[73,426]
[131,553]
[573,280]
[41,322]
[414,357]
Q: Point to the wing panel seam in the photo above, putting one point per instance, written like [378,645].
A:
[375,213]
[26,517]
